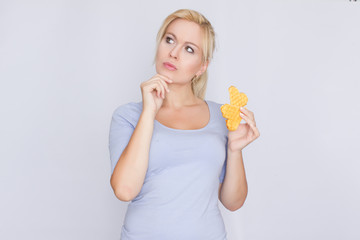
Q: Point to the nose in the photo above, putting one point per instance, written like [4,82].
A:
[175,52]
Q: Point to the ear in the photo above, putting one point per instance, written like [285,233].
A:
[203,68]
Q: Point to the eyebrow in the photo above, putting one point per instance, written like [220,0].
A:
[185,42]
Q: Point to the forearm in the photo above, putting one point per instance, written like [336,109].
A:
[130,171]
[234,188]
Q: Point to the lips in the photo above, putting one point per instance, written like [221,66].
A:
[169,66]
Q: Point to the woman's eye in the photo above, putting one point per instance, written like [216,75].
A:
[192,50]
[168,38]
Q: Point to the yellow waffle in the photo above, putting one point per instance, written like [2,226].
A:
[232,111]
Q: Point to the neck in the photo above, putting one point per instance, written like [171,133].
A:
[179,96]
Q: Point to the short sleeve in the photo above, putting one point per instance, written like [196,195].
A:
[223,171]
[121,130]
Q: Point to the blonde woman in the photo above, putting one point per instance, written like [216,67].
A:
[171,154]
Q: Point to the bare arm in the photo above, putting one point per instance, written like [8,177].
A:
[233,191]
[129,172]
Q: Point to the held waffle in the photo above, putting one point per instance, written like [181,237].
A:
[232,111]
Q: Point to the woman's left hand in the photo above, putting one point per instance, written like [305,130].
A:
[245,133]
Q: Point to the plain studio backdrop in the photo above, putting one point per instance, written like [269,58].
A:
[66,65]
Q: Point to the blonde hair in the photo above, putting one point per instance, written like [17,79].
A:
[198,83]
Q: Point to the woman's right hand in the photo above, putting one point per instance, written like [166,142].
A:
[153,92]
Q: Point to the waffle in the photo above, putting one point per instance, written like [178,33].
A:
[232,111]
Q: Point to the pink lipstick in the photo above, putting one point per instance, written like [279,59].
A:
[169,66]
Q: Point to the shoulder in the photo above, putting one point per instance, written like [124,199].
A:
[215,107]
[129,111]
[219,120]
[129,108]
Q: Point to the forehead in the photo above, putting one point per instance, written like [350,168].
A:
[186,31]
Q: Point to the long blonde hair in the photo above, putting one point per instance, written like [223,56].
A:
[198,84]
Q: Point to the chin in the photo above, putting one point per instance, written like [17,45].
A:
[164,73]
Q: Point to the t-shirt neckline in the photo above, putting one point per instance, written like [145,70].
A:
[188,130]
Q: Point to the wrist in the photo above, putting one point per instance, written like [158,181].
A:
[234,151]
[148,113]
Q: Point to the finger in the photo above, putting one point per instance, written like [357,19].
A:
[252,124]
[156,89]
[165,85]
[158,79]
[162,89]
[165,78]
[156,86]
[248,120]
[247,112]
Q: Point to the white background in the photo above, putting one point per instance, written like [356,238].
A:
[66,65]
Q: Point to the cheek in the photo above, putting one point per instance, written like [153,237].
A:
[192,66]
[159,53]
[160,50]
[159,56]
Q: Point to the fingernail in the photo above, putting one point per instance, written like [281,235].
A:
[241,114]
[241,108]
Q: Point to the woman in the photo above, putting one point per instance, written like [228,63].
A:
[170,152]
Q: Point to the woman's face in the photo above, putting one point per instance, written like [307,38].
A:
[181,47]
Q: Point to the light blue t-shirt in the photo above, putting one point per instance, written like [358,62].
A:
[179,197]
